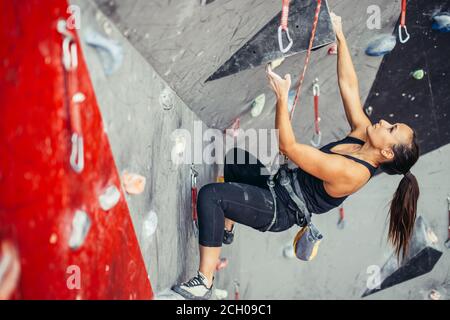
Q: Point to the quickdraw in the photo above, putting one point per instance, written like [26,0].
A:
[308,57]
[317,136]
[447,243]
[194,175]
[284,27]
[70,63]
[402,26]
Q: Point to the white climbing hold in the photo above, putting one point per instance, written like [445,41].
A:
[80,228]
[166,99]
[369,110]
[109,198]
[288,251]
[78,97]
[276,63]
[220,294]
[258,105]
[150,224]
[434,295]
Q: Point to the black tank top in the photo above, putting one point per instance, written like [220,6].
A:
[316,198]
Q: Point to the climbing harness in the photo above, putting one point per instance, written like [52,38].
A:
[70,63]
[317,136]
[284,27]
[402,26]
[194,175]
[341,221]
[308,57]
[447,243]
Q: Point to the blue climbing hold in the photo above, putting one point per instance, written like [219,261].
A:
[110,51]
[381,45]
[441,22]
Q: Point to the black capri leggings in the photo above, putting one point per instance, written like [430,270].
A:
[244,198]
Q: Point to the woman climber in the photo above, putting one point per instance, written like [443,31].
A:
[326,177]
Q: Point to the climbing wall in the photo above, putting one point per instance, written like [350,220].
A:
[422,101]
[62,234]
[143,78]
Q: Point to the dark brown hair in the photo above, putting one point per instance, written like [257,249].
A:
[404,203]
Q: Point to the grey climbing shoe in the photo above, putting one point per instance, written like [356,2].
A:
[194,289]
[228,236]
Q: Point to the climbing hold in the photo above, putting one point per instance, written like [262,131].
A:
[80,228]
[9,269]
[288,251]
[276,63]
[221,264]
[381,45]
[220,294]
[418,74]
[110,51]
[109,198]
[166,99]
[333,49]
[258,105]
[434,295]
[179,138]
[150,224]
[133,183]
[78,97]
[369,110]
[441,22]
[220,179]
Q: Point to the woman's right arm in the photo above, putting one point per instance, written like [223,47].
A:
[348,83]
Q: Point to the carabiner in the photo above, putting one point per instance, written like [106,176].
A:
[280,39]
[316,139]
[77,154]
[316,88]
[69,47]
[194,175]
[400,34]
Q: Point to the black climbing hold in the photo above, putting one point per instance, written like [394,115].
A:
[263,47]
[422,257]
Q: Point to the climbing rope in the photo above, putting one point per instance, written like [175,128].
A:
[284,27]
[194,175]
[317,136]
[308,57]
[73,98]
[403,25]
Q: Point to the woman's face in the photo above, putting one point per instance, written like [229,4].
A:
[384,135]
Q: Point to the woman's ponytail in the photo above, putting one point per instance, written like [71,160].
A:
[402,213]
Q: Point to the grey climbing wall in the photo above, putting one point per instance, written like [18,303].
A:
[177,45]
[139,130]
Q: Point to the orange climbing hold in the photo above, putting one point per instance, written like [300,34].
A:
[133,183]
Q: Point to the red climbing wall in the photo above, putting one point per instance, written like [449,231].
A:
[39,191]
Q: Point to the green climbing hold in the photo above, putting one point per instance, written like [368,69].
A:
[258,105]
[418,74]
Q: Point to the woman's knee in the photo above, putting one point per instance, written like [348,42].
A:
[208,196]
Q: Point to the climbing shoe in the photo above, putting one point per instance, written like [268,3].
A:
[194,289]
[228,236]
